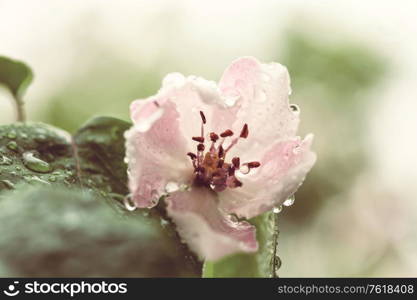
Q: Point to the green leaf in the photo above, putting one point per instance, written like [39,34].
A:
[15,75]
[56,232]
[261,264]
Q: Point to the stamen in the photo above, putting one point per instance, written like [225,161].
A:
[192,155]
[203,117]
[200,147]
[254,164]
[245,131]
[226,133]
[236,162]
[220,163]
[198,139]
[221,151]
[214,137]
[210,168]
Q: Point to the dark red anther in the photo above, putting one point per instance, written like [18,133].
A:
[226,133]
[214,137]
[192,155]
[203,117]
[231,171]
[236,162]
[245,131]
[199,139]
[200,147]
[221,151]
[254,164]
[220,163]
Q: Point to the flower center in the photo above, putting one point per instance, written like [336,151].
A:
[210,167]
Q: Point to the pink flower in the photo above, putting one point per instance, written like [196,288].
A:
[217,152]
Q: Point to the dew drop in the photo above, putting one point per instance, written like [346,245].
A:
[244,169]
[12,145]
[233,218]
[171,187]
[128,203]
[277,265]
[8,184]
[154,197]
[230,100]
[290,201]
[277,209]
[164,223]
[11,134]
[295,109]
[35,164]
[146,123]
[4,160]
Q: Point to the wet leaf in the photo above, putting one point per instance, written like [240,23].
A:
[101,149]
[56,232]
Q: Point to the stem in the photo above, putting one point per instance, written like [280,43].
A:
[20,108]
[275,260]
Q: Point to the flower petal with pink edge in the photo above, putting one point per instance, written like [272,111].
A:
[193,94]
[207,231]
[155,150]
[262,92]
[283,169]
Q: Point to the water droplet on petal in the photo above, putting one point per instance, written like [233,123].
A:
[244,169]
[233,218]
[295,109]
[277,209]
[128,203]
[290,201]
[154,197]
[171,187]
[145,124]
[35,164]
[230,100]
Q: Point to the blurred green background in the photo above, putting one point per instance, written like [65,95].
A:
[352,69]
